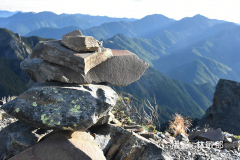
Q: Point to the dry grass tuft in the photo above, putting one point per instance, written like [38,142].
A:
[179,124]
[8,99]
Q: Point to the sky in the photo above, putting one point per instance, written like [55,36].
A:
[228,10]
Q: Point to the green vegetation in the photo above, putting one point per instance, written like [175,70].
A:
[171,95]
[13,80]
[238,137]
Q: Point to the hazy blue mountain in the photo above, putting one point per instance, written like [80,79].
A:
[98,20]
[130,29]
[55,33]
[142,47]
[202,70]
[4,13]
[171,95]
[23,23]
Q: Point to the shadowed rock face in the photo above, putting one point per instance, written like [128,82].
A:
[118,143]
[64,146]
[122,69]
[62,106]
[55,52]
[15,138]
[225,110]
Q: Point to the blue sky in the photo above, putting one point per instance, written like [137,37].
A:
[216,9]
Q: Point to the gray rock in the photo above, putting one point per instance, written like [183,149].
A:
[4,115]
[231,145]
[193,135]
[225,110]
[80,43]
[128,145]
[15,138]
[182,137]
[55,52]
[105,119]
[64,146]
[212,135]
[122,69]
[73,33]
[62,106]
[148,135]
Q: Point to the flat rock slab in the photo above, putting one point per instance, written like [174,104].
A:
[122,69]
[15,138]
[80,43]
[123,144]
[55,52]
[212,135]
[62,106]
[63,146]
[193,135]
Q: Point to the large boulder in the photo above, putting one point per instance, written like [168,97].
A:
[123,144]
[63,146]
[122,69]
[225,110]
[53,51]
[62,106]
[15,138]
[79,43]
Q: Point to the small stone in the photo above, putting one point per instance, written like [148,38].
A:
[182,137]
[228,140]
[80,43]
[148,135]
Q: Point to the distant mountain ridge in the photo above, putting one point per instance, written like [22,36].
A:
[203,54]
[4,14]
[23,23]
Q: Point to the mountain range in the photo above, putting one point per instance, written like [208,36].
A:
[23,23]
[195,46]
[172,95]
[187,57]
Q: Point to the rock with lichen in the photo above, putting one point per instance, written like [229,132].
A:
[62,106]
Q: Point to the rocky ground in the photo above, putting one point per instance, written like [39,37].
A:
[194,150]
[179,148]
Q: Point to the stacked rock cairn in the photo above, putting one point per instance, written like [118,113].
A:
[70,91]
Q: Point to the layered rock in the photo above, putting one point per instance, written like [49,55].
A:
[225,110]
[62,106]
[53,51]
[122,69]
